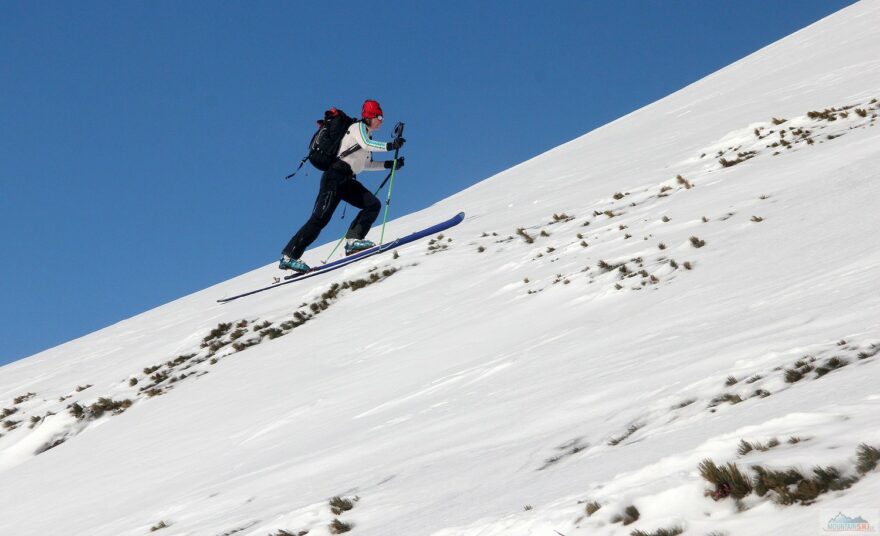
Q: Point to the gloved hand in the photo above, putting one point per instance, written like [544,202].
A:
[390,163]
[396,143]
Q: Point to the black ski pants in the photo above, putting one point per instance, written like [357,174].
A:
[337,184]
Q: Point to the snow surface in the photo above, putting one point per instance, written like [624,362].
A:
[501,378]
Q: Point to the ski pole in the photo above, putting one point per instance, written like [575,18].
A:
[398,132]
[388,198]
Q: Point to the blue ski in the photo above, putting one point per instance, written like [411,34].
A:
[329,267]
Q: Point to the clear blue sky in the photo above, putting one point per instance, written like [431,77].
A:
[143,144]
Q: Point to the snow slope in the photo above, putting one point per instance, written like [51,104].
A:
[594,330]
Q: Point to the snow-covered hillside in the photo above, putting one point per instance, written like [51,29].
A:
[616,320]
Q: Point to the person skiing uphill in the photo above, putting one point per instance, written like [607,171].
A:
[339,183]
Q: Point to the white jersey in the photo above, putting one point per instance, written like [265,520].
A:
[357,148]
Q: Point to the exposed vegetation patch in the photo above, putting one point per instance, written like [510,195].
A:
[216,333]
[728,480]
[561,218]
[525,236]
[740,158]
[673,531]
[806,367]
[339,527]
[23,398]
[725,398]
[868,457]
[51,445]
[607,267]
[745,447]
[806,133]
[810,364]
[592,507]
[99,408]
[684,403]
[833,363]
[10,424]
[789,485]
[629,516]
[614,441]
[339,505]
[568,449]
[236,336]
[436,245]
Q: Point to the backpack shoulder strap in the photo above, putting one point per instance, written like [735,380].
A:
[354,148]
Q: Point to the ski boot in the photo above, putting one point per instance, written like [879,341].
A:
[354,245]
[297,265]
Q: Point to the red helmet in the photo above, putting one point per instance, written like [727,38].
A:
[371,109]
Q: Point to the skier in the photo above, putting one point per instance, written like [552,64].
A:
[339,183]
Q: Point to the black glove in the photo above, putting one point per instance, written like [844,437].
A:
[390,163]
[396,143]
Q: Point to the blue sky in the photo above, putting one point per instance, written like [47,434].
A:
[143,144]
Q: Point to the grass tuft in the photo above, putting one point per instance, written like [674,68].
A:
[867,457]
[697,243]
[728,480]
[829,365]
[338,505]
[614,441]
[339,527]
[525,236]
[673,531]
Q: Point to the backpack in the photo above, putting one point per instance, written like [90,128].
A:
[325,143]
[324,146]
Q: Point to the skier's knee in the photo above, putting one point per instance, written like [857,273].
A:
[373,205]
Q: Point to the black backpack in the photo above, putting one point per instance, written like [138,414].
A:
[325,143]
